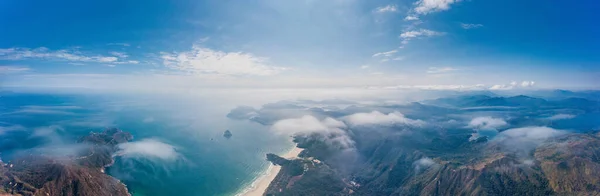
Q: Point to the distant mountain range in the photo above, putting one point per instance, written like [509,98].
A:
[515,101]
[527,158]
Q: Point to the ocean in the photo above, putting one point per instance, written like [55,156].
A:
[206,163]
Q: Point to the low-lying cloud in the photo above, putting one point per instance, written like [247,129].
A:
[150,148]
[523,140]
[487,123]
[330,129]
[561,117]
[423,164]
[378,118]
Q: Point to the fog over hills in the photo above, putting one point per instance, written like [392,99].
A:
[472,144]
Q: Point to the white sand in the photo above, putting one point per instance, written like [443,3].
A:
[261,184]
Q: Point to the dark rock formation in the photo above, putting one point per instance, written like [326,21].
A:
[227,134]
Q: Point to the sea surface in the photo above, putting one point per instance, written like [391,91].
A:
[206,163]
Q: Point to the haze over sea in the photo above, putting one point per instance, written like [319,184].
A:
[203,161]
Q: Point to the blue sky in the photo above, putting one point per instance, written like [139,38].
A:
[440,44]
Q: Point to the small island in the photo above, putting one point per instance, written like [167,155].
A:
[227,134]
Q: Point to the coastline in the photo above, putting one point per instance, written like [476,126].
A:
[260,185]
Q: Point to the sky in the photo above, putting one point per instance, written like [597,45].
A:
[381,44]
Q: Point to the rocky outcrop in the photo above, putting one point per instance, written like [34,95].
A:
[67,176]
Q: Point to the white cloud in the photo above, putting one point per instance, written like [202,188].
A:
[512,85]
[420,33]
[385,54]
[207,61]
[47,54]
[414,34]
[501,87]
[429,6]
[388,8]
[305,124]
[527,83]
[13,69]
[411,18]
[329,128]
[119,54]
[529,134]
[126,62]
[423,163]
[561,117]
[148,148]
[470,26]
[107,59]
[378,118]
[398,58]
[487,123]
[440,70]
[364,66]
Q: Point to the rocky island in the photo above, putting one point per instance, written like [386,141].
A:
[67,176]
[227,134]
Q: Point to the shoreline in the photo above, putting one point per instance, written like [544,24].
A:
[260,185]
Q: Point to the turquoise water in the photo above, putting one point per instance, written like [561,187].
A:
[207,163]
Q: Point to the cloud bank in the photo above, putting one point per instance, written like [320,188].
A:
[330,129]
[378,118]
[487,123]
[561,117]
[523,140]
[149,148]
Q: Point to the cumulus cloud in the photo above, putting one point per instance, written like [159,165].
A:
[527,83]
[411,18]
[378,118]
[470,26]
[429,6]
[388,8]
[331,130]
[149,148]
[440,70]
[485,127]
[512,85]
[304,124]
[487,122]
[201,60]
[561,117]
[523,140]
[537,134]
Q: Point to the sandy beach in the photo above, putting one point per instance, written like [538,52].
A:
[261,184]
